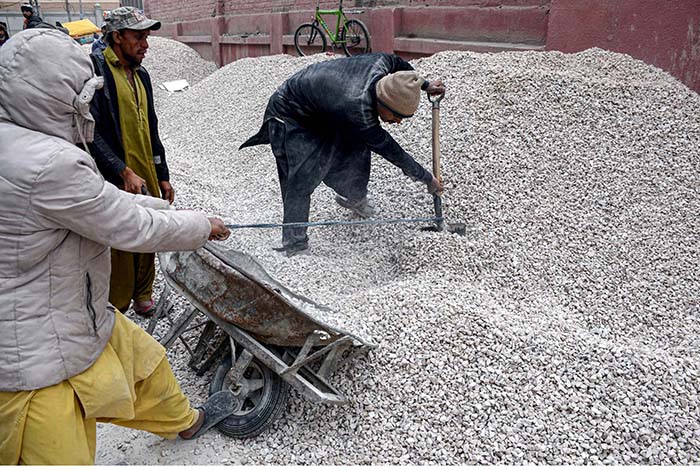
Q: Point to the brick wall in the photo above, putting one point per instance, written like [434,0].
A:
[169,11]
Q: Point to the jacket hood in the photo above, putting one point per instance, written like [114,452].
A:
[42,73]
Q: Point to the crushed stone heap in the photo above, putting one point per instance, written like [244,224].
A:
[563,329]
[168,60]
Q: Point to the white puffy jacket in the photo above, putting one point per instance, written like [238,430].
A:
[58,218]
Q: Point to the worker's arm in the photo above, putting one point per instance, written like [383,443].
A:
[106,159]
[150,202]
[381,142]
[86,204]
[166,189]
[108,162]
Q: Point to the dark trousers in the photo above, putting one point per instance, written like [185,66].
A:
[305,159]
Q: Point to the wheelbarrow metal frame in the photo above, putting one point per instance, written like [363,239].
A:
[314,386]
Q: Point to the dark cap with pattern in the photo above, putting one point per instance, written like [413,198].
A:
[129,18]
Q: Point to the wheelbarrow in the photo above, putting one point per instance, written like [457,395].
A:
[264,337]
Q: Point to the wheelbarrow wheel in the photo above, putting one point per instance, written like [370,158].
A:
[263,395]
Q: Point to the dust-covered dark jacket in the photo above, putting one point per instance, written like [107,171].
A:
[339,95]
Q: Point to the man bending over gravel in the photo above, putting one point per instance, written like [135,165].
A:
[67,358]
[322,124]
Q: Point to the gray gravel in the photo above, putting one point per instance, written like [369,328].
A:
[563,329]
[168,60]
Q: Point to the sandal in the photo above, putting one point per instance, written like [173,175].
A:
[144,308]
[218,407]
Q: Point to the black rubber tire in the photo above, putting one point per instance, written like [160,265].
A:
[308,38]
[359,36]
[270,407]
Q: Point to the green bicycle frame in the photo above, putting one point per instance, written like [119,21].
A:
[341,19]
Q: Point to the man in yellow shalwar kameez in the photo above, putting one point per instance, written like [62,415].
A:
[67,358]
[131,385]
[127,146]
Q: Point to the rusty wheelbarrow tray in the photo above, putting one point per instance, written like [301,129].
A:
[265,337]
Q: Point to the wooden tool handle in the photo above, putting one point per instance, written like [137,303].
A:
[436,140]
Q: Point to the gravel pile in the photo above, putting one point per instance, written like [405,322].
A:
[168,60]
[563,329]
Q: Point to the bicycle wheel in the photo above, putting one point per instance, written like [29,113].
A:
[308,39]
[355,38]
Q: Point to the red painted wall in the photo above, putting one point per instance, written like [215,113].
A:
[665,33]
[183,10]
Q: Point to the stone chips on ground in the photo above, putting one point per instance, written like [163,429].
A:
[563,329]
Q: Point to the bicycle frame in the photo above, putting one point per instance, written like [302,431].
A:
[341,19]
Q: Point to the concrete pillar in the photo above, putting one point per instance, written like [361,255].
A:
[99,19]
[218,27]
[384,25]
[278,23]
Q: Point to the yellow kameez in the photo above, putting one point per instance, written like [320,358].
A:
[133,274]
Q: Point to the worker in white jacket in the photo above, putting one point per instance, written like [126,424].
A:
[67,358]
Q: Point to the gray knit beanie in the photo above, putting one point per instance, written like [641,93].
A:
[400,92]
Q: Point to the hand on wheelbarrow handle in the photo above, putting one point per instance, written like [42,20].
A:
[219,231]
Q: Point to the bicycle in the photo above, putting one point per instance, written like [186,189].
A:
[350,34]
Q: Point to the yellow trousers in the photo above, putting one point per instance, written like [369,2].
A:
[131,384]
[132,277]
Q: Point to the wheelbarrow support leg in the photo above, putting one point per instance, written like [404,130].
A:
[239,367]
[331,361]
